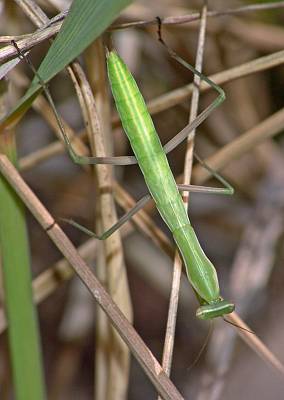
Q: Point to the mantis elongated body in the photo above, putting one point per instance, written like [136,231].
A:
[152,160]
[160,181]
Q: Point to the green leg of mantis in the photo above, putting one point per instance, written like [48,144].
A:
[168,147]
[130,160]
[139,205]
[126,217]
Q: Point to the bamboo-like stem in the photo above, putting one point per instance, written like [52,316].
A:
[25,351]
[116,276]
[103,328]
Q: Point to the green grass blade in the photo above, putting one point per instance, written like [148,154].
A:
[25,352]
[86,20]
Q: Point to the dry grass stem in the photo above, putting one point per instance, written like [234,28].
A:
[238,147]
[184,19]
[177,267]
[176,96]
[116,275]
[148,362]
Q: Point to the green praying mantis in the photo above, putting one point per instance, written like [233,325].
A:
[151,158]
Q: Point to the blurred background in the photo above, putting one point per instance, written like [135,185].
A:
[242,235]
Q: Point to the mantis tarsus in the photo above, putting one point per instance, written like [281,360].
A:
[152,160]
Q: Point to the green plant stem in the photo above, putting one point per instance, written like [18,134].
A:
[25,352]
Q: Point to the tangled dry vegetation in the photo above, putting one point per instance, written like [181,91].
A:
[242,235]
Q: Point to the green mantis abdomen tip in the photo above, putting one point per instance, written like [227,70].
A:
[200,271]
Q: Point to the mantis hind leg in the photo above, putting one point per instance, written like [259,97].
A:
[227,189]
[139,205]
[126,217]
[204,189]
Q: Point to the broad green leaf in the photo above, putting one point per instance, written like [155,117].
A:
[86,20]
